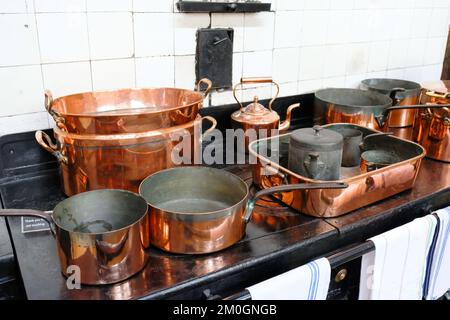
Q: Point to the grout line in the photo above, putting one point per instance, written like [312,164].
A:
[89,46]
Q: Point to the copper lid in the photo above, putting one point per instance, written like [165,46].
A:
[255,113]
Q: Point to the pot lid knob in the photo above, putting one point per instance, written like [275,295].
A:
[317,129]
[255,108]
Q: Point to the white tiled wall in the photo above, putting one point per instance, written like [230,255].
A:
[81,45]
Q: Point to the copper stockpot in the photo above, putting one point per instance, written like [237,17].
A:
[255,116]
[122,161]
[125,110]
[402,92]
[432,126]
[103,232]
[201,209]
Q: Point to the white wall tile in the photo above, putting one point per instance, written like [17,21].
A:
[109,5]
[357,58]
[262,91]
[431,72]
[67,78]
[284,5]
[435,49]
[113,74]
[22,90]
[334,61]
[378,55]
[340,26]
[110,35]
[402,26]
[153,34]
[287,29]
[235,21]
[376,74]
[222,97]
[238,61]
[314,27]
[285,65]
[395,73]
[360,26]
[413,74]
[153,6]
[441,3]
[421,22]
[317,4]
[397,53]
[185,72]
[416,52]
[19,38]
[60,6]
[307,86]
[63,37]
[15,6]
[257,64]
[311,62]
[335,82]
[381,25]
[354,81]
[24,122]
[439,22]
[259,30]
[342,4]
[155,72]
[186,26]
[288,89]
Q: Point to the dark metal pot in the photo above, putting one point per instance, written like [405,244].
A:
[103,232]
[402,92]
[316,153]
[200,209]
[351,151]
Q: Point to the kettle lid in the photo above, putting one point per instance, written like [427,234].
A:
[255,112]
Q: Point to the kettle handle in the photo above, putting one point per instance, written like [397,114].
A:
[254,80]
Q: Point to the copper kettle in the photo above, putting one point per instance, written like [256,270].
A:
[257,117]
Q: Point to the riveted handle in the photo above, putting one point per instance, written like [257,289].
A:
[46,142]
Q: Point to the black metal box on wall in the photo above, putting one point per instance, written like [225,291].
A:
[214,56]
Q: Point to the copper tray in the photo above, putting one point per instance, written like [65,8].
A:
[364,188]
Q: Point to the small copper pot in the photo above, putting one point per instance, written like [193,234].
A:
[103,232]
[257,120]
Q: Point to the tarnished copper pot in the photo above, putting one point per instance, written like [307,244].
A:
[432,126]
[402,92]
[126,110]
[257,117]
[122,161]
[201,209]
[100,235]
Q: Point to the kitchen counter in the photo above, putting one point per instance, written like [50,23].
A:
[277,240]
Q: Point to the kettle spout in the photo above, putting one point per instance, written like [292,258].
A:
[287,123]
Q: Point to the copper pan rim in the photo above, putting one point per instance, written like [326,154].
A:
[119,113]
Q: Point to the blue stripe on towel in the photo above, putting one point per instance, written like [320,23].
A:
[316,282]
[444,245]
[311,281]
[431,255]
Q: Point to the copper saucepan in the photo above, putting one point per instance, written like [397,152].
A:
[200,210]
[103,232]
[126,110]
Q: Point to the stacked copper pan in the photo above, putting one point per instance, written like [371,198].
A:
[115,139]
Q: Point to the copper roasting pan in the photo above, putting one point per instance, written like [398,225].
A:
[364,188]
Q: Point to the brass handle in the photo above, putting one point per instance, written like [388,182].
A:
[49,146]
[437,95]
[48,103]
[290,187]
[213,125]
[250,80]
[208,84]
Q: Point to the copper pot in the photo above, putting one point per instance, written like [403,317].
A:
[432,126]
[104,233]
[257,117]
[122,161]
[126,110]
[402,92]
[200,209]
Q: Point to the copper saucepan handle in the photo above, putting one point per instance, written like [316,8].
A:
[213,125]
[381,119]
[255,80]
[46,142]
[208,88]
[46,215]
[289,187]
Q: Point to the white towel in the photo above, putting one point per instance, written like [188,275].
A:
[308,282]
[396,269]
[438,274]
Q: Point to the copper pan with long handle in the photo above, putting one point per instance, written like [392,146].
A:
[200,209]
